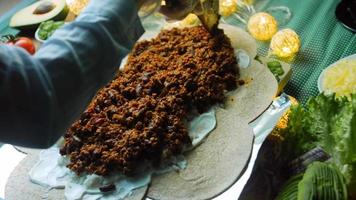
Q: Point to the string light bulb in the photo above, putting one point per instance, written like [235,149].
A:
[227,7]
[262,26]
[285,43]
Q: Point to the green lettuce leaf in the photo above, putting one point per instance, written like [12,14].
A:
[290,189]
[320,181]
[326,122]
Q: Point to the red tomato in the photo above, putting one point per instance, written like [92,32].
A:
[25,43]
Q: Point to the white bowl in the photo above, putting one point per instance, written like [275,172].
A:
[321,76]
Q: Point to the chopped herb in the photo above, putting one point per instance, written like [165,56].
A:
[47,28]
[276,68]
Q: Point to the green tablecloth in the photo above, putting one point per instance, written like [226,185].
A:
[324,41]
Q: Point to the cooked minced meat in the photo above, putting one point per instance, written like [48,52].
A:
[140,116]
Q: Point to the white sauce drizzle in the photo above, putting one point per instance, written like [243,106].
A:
[51,171]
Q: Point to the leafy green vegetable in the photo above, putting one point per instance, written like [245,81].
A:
[47,28]
[290,190]
[276,68]
[297,140]
[58,24]
[327,122]
[320,181]
[335,127]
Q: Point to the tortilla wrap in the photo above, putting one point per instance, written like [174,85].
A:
[253,98]
[19,186]
[240,39]
[213,166]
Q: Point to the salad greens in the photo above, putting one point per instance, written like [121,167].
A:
[290,190]
[320,181]
[47,28]
[276,68]
[326,122]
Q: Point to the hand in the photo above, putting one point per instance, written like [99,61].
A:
[178,9]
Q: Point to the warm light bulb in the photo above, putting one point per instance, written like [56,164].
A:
[76,6]
[227,7]
[262,26]
[285,43]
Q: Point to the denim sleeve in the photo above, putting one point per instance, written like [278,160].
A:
[41,95]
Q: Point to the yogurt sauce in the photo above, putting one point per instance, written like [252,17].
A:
[51,171]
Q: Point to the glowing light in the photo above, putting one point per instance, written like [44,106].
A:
[262,26]
[76,6]
[285,43]
[227,7]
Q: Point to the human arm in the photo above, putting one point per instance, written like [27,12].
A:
[42,95]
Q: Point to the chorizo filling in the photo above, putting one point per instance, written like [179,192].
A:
[140,115]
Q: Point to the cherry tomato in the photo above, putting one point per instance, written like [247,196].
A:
[25,43]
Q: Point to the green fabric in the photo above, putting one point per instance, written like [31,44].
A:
[5,18]
[324,41]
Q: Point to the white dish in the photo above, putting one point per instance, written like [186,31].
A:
[321,76]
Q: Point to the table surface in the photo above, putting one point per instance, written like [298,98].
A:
[324,41]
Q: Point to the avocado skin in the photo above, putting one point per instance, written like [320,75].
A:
[32,27]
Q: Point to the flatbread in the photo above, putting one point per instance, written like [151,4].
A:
[213,166]
[19,186]
[240,39]
[253,98]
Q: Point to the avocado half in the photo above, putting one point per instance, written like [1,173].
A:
[43,10]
